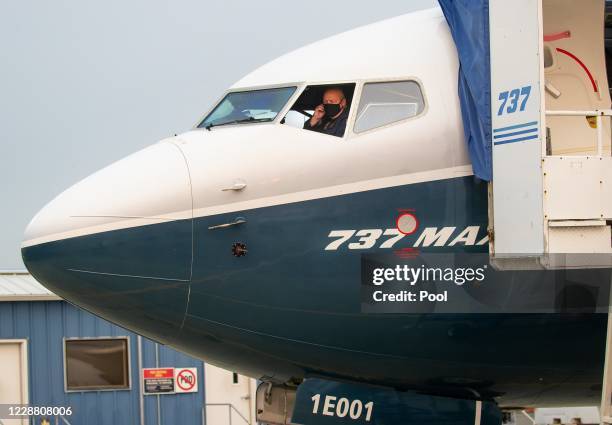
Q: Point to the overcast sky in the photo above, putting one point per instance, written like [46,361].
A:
[84,83]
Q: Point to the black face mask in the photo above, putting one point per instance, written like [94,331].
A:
[331,109]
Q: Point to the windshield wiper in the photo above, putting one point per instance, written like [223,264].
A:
[240,121]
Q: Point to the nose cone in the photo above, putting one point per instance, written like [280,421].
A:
[149,186]
[119,243]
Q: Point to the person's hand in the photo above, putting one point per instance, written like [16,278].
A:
[317,116]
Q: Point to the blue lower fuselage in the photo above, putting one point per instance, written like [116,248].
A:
[289,308]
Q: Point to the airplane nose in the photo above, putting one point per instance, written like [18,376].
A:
[119,243]
[149,186]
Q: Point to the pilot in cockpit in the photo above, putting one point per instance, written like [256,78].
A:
[330,117]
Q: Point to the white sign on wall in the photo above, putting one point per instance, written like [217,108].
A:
[186,380]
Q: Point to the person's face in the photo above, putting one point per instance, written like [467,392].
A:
[334,97]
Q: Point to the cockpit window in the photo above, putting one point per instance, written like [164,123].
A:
[388,102]
[322,108]
[248,106]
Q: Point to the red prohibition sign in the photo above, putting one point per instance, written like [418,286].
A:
[186,377]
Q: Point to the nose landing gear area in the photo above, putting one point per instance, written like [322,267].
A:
[323,402]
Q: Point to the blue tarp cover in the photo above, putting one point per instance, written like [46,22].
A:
[469,24]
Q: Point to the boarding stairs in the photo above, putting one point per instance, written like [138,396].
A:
[550,199]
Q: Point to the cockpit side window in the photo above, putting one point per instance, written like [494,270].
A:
[322,108]
[388,102]
[243,107]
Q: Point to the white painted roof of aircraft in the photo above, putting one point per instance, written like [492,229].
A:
[409,37]
[21,286]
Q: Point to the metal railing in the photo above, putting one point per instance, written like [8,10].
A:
[598,113]
[230,408]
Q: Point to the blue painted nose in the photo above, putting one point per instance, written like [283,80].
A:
[119,243]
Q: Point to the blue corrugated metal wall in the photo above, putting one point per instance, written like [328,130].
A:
[45,324]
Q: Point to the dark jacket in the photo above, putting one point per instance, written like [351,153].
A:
[333,127]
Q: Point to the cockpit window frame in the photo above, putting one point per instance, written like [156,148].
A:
[330,83]
[357,99]
[299,87]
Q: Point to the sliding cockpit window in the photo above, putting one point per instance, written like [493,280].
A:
[333,102]
[245,107]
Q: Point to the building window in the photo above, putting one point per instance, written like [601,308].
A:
[234,378]
[92,364]
[385,103]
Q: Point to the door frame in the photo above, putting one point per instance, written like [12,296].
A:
[23,349]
